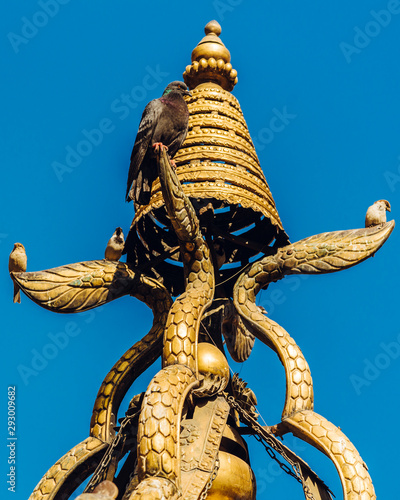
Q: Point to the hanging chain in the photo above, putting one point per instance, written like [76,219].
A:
[271,443]
[265,437]
[210,481]
[114,450]
[297,474]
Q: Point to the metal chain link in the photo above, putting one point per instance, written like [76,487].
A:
[210,481]
[114,449]
[271,443]
[268,440]
[297,474]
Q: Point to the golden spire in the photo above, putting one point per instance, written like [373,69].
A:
[218,168]
[211,61]
[218,159]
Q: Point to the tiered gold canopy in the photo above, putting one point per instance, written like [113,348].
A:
[219,170]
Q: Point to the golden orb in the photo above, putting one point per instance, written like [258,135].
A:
[235,480]
[213,370]
[211,45]
[211,61]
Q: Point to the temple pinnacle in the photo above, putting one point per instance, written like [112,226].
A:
[211,61]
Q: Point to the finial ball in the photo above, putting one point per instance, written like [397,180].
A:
[213,27]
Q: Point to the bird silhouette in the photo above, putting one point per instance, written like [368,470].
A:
[164,120]
[17,263]
[115,245]
[376,213]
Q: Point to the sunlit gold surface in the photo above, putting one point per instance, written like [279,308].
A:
[235,480]
[62,472]
[213,369]
[217,161]
[329,439]
[323,253]
[211,61]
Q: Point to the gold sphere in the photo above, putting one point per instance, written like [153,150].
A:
[211,45]
[213,27]
[213,370]
[211,360]
[235,480]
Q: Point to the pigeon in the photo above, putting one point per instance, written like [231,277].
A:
[17,263]
[376,213]
[115,245]
[164,120]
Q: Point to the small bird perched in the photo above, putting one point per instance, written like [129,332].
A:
[164,120]
[115,245]
[17,263]
[376,213]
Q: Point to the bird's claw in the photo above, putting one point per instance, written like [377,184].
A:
[159,146]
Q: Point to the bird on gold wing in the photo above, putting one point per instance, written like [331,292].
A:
[376,213]
[17,263]
[115,245]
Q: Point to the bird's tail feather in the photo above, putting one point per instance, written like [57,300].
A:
[141,189]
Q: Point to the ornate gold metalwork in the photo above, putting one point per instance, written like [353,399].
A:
[239,340]
[324,253]
[62,475]
[217,168]
[213,370]
[211,61]
[218,159]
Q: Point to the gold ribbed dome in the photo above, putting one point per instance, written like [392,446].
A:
[217,166]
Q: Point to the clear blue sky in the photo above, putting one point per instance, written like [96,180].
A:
[335,70]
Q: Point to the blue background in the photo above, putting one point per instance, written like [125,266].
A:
[338,155]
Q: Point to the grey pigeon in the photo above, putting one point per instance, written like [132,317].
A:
[164,120]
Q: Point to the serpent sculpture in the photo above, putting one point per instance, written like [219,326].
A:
[185,419]
[323,253]
[158,458]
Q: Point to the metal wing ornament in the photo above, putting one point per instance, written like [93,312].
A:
[181,438]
